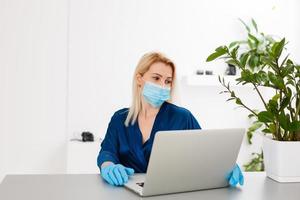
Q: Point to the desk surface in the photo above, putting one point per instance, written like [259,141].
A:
[91,186]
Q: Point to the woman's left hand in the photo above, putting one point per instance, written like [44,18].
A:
[235,176]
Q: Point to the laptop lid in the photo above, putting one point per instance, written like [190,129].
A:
[188,160]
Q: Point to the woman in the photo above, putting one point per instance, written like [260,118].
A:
[128,141]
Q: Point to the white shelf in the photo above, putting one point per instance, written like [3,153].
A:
[210,80]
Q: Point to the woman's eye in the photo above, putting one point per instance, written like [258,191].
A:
[156,78]
[168,82]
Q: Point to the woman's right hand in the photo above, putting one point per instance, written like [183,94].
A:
[116,174]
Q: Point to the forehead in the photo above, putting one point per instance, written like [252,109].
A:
[161,68]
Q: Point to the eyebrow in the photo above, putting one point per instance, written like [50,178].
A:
[161,75]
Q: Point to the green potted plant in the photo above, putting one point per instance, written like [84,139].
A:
[264,63]
[256,164]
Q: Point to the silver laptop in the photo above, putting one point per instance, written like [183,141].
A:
[188,160]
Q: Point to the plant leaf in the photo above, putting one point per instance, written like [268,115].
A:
[246,26]
[284,121]
[232,44]
[232,62]
[276,80]
[254,24]
[238,101]
[265,116]
[218,52]
[244,58]
[253,38]
[295,126]
[285,101]
[278,47]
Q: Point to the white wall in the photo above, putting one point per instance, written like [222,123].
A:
[2,123]
[33,57]
[297,33]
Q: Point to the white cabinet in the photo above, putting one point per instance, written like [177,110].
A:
[82,157]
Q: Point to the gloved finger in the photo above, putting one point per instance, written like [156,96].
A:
[228,176]
[104,174]
[241,178]
[123,174]
[129,171]
[236,173]
[232,181]
[118,176]
[238,168]
[112,176]
[107,179]
[234,177]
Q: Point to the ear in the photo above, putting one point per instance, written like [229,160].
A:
[139,80]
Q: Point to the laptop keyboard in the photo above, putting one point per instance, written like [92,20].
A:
[140,184]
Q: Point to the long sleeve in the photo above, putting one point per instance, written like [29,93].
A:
[110,144]
[192,122]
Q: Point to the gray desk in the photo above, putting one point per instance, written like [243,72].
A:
[90,187]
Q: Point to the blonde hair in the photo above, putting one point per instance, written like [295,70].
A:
[143,66]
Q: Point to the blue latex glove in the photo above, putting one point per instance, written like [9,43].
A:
[235,176]
[116,174]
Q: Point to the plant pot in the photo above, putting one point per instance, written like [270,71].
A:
[281,159]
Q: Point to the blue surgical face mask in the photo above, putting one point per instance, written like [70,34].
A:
[155,95]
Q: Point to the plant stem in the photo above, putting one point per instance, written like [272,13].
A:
[297,110]
[262,99]
[242,104]
[249,109]
[255,86]
[284,88]
[277,130]
[297,114]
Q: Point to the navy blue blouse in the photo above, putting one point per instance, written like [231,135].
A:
[124,145]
